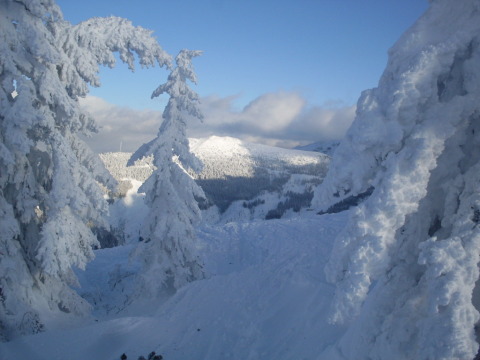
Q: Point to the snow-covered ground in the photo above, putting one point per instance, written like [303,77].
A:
[265,297]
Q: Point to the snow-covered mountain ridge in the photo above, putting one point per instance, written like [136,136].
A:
[324,147]
[235,170]
[226,156]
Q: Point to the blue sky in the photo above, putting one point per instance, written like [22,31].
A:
[324,52]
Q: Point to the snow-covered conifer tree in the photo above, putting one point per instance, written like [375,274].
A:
[49,196]
[406,265]
[170,251]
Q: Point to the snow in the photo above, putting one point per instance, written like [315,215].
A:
[244,157]
[393,277]
[236,172]
[169,252]
[242,181]
[128,213]
[325,147]
[406,264]
[50,197]
[265,297]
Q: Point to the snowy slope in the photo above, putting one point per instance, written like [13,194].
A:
[265,298]
[227,156]
[324,147]
[116,163]
[237,170]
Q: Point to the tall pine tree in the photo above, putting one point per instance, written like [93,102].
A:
[170,251]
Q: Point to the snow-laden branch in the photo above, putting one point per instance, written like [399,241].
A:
[405,267]
[49,195]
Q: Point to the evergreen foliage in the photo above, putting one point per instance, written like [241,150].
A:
[49,193]
[169,253]
[405,267]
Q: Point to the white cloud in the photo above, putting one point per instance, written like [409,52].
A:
[323,123]
[120,127]
[281,118]
[272,112]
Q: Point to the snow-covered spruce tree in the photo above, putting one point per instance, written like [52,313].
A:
[49,195]
[406,265]
[169,252]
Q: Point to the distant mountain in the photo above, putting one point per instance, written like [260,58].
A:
[241,179]
[325,147]
[237,170]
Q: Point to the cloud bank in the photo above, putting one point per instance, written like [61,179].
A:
[121,128]
[281,119]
